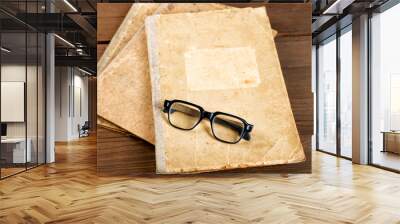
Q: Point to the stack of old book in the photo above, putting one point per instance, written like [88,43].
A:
[213,55]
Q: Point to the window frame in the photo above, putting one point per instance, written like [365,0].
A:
[338,34]
[381,9]
[27,29]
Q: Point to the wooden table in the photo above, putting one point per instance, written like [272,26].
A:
[123,154]
[15,152]
[391,141]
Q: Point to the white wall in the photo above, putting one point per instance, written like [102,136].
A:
[71,94]
[12,73]
[33,127]
[62,81]
[80,109]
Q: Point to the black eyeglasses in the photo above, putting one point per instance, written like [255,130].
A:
[225,127]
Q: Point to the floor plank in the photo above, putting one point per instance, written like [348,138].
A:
[69,191]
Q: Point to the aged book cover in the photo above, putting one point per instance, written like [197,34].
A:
[223,60]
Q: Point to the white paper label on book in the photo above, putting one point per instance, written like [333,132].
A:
[221,68]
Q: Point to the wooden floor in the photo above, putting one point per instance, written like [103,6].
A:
[9,171]
[5,172]
[386,159]
[70,192]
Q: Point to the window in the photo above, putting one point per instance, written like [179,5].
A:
[22,77]
[346,95]
[327,96]
[394,102]
[334,106]
[385,89]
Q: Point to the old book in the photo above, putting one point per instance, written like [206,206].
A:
[223,60]
[124,92]
[133,21]
[123,86]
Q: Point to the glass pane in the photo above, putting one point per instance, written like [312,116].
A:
[13,88]
[183,115]
[327,96]
[385,114]
[31,100]
[77,112]
[31,88]
[346,94]
[41,99]
[10,24]
[314,82]
[227,128]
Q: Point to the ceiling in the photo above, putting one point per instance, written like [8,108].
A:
[16,42]
[74,22]
[332,15]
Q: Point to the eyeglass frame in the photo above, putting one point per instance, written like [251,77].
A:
[245,134]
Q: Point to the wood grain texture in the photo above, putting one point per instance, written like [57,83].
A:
[70,191]
[110,18]
[92,107]
[293,23]
[109,125]
[100,50]
[117,153]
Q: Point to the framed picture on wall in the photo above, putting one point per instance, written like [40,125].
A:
[12,101]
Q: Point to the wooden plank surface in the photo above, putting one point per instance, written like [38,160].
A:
[100,50]
[120,154]
[70,191]
[109,19]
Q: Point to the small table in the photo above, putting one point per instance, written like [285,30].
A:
[18,151]
[391,141]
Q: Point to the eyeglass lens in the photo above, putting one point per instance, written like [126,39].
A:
[183,115]
[227,128]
